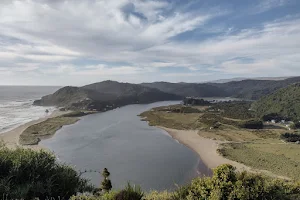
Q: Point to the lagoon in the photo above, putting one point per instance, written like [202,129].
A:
[130,149]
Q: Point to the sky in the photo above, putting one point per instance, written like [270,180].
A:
[77,42]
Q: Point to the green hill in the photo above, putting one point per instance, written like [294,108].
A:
[104,96]
[285,102]
[189,89]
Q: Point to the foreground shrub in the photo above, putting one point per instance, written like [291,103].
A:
[111,195]
[130,193]
[28,174]
[155,195]
[252,124]
[229,185]
[181,192]
[290,137]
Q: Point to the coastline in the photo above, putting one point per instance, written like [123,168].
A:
[11,138]
[207,150]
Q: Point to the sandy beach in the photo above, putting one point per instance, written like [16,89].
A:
[207,150]
[204,147]
[11,138]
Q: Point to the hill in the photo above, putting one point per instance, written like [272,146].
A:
[285,102]
[244,89]
[255,89]
[189,89]
[104,95]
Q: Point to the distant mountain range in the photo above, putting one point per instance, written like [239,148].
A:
[110,94]
[245,89]
[244,78]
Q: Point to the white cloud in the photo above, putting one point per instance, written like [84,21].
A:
[266,5]
[50,37]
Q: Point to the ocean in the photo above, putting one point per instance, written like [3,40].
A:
[16,105]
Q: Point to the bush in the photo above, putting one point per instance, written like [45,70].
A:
[155,195]
[28,174]
[295,125]
[195,101]
[130,193]
[274,116]
[290,137]
[252,124]
[181,193]
[226,184]
[229,185]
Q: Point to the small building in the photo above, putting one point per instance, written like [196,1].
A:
[273,121]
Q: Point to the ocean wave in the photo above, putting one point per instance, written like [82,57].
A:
[16,113]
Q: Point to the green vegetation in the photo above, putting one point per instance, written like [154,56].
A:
[295,125]
[172,120]
[234,109]
[226,184]
[28,174]
[76,114]
[252,124]
[274,116]
[279,158]
[178,109]
[106,183]
[130,193]
[245,89]
[291,137]
[33,134]
[197,117]
[195,102]
[284,103]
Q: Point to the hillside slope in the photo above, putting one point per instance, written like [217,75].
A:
[104,95]
[285,102]
[255,89]
[189,89]
[244,89]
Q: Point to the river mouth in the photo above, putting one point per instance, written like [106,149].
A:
[130,149]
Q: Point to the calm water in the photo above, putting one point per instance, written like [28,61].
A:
[129,148]
[16,105]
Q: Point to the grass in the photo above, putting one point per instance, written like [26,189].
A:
[181,121]
[33,134]
[280,158]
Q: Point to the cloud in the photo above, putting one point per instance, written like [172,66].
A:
[141,39]
[266,5]
[102,70]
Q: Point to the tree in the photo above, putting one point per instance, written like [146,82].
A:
[106,183]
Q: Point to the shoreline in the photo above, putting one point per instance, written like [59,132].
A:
[204,147]
[11,138]
[207,150]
